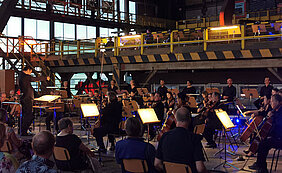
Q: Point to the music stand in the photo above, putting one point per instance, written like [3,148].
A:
[50,98]
[16,103]
[89,110]
[148,116]
[250,93]
[227,124]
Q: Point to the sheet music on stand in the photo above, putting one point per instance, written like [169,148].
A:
[47,98]
[224,119]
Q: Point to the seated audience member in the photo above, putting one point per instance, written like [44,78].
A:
[74,145]
[12,137]
[181,146]
[8,163]
[134,146]
[43,147]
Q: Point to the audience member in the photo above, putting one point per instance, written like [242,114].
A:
[110,43]
[78,151]
[43,147]
[17,144]
[8,163]
[134,146]
[181,146]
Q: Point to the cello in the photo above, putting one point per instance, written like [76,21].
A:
[254,125]
[264,131]
[168,124]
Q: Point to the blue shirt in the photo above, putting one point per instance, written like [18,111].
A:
[37,165]
[136,148]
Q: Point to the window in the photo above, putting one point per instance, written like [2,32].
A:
[43,30]
[81,32]
[79,77]
[13,27]
[59,30]
[69,32]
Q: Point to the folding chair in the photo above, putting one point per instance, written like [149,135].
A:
[199,130]
[7,147]
[135,165]
[170,167]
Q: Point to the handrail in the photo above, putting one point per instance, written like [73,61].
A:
[113,15]
[115,47]
[206,21]
[78,47]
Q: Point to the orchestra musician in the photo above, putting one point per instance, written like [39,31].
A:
[162,90]
[4,99]
[112,87]
[132,88]
[275,91]
[274,139]
[263,112]
[189,89]
[158,106]
[12,95]
[170,102]
[229,92]
[109,122]
[67,88]
[26,100]
[264,91]
[90,98]
[212,121]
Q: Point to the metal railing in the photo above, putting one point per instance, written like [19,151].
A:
[18,48]
[202,38]
[213,21]
[68,9]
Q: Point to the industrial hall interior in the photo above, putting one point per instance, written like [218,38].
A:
[140,86]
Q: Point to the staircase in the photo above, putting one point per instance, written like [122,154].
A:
[16,48]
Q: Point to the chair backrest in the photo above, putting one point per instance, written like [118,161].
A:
[61,154]
[199,129]
[7,147]
[135,165]
[176,168]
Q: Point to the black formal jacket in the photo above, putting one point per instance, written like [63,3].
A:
[111,117]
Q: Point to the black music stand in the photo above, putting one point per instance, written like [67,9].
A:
[16,103]
[50,98]
[148,116]
[227,123]
[89,110]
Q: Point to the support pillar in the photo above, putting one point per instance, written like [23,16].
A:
[116,74]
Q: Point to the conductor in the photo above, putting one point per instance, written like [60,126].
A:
[26,99]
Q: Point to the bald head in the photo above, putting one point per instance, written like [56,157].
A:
[43,144]
[183,117]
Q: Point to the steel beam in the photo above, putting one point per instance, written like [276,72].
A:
[6,10]
[194,65]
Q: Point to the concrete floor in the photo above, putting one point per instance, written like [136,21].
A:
[110,166]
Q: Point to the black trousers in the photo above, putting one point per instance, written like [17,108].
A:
[27,114]
[99,133]
[50,117]
[263,149]
[208,134]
